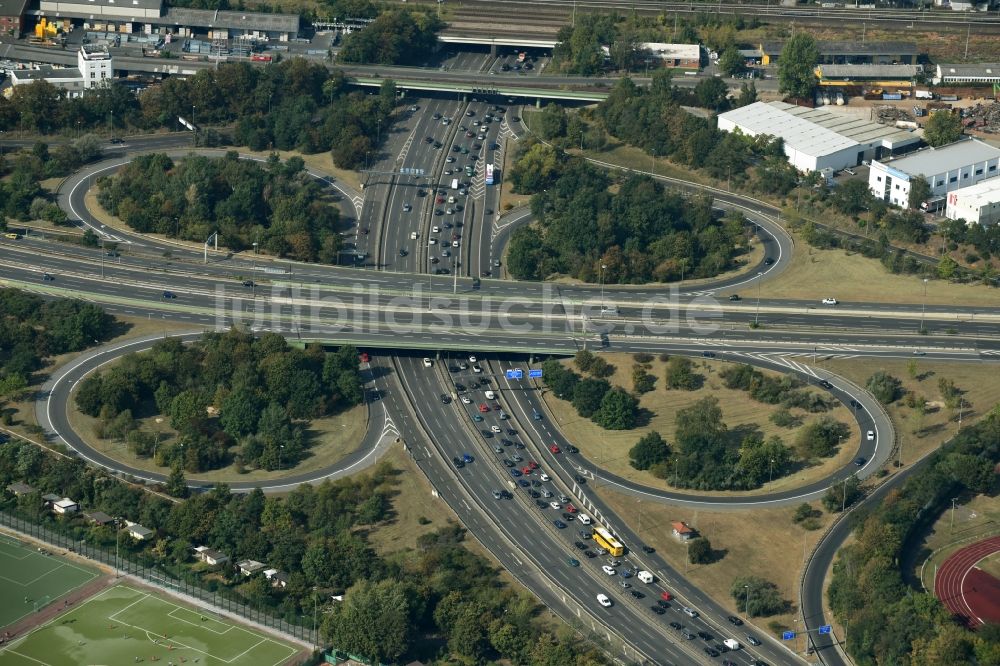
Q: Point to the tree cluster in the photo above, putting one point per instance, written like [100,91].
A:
[291,105]
[610,407]
[21,173]
[654,120]
[886,388]
[395,37]
[639,233]
[277,205]
[33,329]
[231,397]
[757,597]
[438,594]
[710,457]
[888,620]
[784,390]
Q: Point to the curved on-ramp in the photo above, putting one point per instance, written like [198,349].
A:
[53,405]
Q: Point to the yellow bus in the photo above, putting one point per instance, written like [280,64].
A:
[604,539]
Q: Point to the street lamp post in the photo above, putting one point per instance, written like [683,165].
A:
[770,476]
[756,314]
[923,307]
[280,449]
[603,267]
[118,532]
[747,607]
[315,637]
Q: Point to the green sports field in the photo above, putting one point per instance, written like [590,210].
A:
[29,580]
[124,625]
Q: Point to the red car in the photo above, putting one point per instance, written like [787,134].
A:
[526,470]
[364,357]
[439,199]
[484,408]
[554,449]
[665,596]
[570,508]
[532,464]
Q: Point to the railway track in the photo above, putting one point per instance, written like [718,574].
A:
[559,12]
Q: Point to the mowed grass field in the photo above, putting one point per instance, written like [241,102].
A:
[31,580]
[122,625]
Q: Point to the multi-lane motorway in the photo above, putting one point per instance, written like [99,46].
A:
[410,292]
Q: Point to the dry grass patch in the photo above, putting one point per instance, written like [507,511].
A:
[762,542]
[813,274]
[609,448]
[509,199]
[417,512]
[923,434]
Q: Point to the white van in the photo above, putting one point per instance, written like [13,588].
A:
[454,183]
[413,235]
[490,395]
[583,518]
[645,577]
[732,644]
[451,199]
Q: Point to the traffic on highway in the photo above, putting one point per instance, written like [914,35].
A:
[422,289]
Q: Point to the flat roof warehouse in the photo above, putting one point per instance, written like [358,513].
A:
[153,12]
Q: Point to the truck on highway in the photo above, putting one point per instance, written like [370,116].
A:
[732,644]
[645,577]
[454,183]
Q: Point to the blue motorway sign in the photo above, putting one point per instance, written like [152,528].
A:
[515,373]
[535,374]
[825,629]
[787,635]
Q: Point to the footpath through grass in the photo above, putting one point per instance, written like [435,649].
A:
[31,579]
[124,625]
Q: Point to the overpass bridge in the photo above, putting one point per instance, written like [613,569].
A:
[538,93]
[580,89]
[493,42]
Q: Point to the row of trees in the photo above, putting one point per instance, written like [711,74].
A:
[639,233]
[437,599]
[227,390]
[395,37]
[291,105]
[33,329]
[278,205]
[652,118]
[887,620]
[783,390]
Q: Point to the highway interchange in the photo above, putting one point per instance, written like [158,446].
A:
[381,302]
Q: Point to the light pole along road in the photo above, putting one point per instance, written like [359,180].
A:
[197,296]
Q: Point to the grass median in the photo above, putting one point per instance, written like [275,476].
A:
[814,274]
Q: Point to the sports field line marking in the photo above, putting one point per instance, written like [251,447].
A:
[44,663]
[17,546]
[122,610]
[176,643]
[196,624]
[229,661]
[16,641]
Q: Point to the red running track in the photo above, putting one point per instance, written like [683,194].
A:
[966,591]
